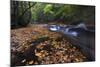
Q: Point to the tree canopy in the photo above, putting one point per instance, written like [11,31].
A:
[25,12]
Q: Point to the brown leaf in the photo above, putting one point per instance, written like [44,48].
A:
[31,62]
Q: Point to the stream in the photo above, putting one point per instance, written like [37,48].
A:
[80,35]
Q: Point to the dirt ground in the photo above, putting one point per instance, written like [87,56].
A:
[37,45]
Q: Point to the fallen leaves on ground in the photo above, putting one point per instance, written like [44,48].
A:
[50,47]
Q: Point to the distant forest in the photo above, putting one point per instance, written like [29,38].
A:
[27,12]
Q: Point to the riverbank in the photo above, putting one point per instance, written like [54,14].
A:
[37,45]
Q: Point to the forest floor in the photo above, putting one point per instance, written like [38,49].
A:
[37,45]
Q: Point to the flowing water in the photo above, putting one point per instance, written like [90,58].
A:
[80,35]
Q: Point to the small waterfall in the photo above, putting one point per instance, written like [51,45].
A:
[54,28]
[72,30]
[81,25]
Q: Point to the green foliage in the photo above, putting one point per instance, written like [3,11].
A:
[36,11]
[48,9]
[48,12]
[44,12]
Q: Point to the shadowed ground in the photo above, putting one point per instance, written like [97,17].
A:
[37,45]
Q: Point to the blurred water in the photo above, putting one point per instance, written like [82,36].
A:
[80,35]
